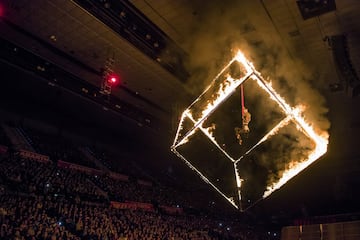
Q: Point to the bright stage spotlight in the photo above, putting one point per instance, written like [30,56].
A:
[113,79]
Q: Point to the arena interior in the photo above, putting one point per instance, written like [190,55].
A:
[179,119]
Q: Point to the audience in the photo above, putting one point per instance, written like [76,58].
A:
[40,200]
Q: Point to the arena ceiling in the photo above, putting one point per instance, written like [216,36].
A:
[163,70]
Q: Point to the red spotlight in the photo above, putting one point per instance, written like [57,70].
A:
[113,79]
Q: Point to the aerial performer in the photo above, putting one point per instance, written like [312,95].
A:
[246,118]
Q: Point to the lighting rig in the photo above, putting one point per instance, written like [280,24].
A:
[109,78]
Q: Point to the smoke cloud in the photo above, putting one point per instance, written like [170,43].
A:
[221,28]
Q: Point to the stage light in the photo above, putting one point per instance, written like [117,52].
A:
[113,79]
[109,78]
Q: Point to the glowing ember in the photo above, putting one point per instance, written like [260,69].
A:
[225,89]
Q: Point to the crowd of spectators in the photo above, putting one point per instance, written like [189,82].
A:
[58,148]
[46,177]
[131,190]
[24,217]
[41,199]
[48,217]
[28,176]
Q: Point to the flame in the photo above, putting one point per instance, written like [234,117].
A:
[321,140]
[180,127]
[185,138]
[238,183]
[295,167]
[240,57]
[224,90]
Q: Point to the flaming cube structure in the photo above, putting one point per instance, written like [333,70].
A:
[194,124]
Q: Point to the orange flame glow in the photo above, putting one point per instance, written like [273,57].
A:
[295,167]
[224,90]
[321,140]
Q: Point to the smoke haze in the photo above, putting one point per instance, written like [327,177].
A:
[220,30]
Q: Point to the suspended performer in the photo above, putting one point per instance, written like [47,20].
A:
[244,130]
[246,118]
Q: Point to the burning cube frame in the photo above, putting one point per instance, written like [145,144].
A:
[220,89]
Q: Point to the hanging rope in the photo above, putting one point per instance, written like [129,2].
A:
[242,100]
